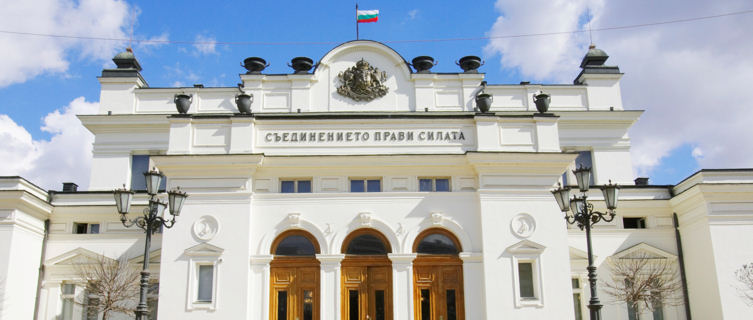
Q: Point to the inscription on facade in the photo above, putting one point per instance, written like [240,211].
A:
[365,136]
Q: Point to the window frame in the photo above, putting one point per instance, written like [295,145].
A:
[640,223]
[365,181]
[88,227]
[580,292]
[65,296]
[295,184]
[527,251]
[202,254]
[434,184]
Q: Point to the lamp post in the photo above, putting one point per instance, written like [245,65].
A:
[582,213]
[150,221]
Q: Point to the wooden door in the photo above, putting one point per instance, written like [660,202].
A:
[438,289]
[294,292]
[366,291]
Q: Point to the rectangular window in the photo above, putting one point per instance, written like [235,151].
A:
[451,309]
[576,299]
[352,304]
[434,184]
[139,165]
[425,304]
[206,278]
[365,185]
[282,305]
[69,292]
[84,228]
[152,299]
[634,223]
[525,276]
[656,304]
[295,186]
[90,309]
[584,160]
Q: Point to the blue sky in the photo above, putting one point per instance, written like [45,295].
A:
[49,75]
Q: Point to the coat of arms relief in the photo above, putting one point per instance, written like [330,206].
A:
[362,82]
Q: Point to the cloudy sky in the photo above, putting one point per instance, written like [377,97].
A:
[692,77]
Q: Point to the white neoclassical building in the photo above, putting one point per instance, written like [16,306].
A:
[363,189]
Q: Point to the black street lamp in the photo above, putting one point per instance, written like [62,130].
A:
[151,221]
[582,212]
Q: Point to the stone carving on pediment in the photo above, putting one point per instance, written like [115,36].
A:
[362,82]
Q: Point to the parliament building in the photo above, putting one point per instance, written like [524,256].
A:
[367,187]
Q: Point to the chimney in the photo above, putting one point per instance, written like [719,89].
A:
[70,187]
[641,181]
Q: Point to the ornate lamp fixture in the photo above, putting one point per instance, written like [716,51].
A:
[150,221]
[582,213]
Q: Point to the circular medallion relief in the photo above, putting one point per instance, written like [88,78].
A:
[523,225]
[205,228]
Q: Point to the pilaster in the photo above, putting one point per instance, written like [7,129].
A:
[259,300]
[402,284]
[329,288]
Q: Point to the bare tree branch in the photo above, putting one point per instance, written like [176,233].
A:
[644,282]
[744,275]
[114,284]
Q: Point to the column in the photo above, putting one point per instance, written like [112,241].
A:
[402,285]
[259,296]
[329,287]
[473,284]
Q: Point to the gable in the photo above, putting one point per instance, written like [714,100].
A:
[643,250]
[204,249]
[76,256]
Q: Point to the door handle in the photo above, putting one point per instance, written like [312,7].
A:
[368,317]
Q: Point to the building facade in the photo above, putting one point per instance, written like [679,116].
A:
[366,190]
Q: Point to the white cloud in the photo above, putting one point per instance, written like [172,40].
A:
[65,157]
[412,14]
[205,45]
[34,55]
[691,78]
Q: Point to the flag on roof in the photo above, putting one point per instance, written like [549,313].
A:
[364,16]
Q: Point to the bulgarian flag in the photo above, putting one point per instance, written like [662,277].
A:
[363,16]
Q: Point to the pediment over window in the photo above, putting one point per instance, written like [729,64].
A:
[578,254]
[154,257]
[205,250]
[76,256]
[526,246]
[643,250]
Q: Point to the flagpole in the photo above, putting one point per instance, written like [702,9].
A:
[356,21]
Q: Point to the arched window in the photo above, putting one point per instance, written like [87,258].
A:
[366,243]
[437,242]
[295,243]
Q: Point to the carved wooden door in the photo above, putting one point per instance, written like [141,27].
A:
[438,290]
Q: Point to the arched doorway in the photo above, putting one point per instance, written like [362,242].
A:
[366,286]
[438,277]
[294,276]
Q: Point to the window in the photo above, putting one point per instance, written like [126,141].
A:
[91,310]
[634,223]
[526,268]
[152,299]
[206,277]
[295,186]
[365,185]
[68,294]
[139,165]
[434,184]
[436,243]
[295,245]
[84,228]
[576,299]
[525,279]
